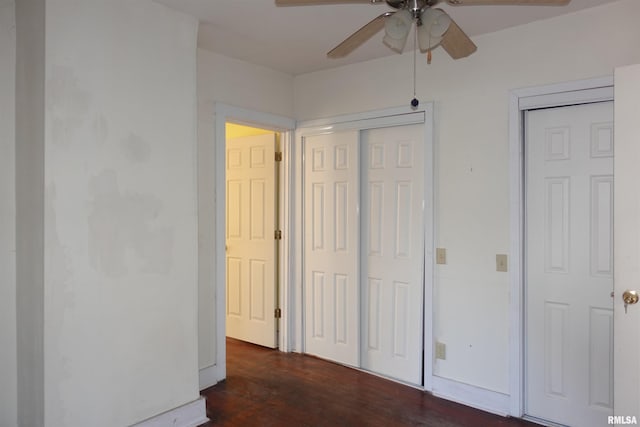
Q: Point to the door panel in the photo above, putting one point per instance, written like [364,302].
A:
[331,247]
[392,256]
[569,264]
[627,242]
[251,248]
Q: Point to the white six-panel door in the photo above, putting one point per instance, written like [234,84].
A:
[392,251]
[251,248]
[569,264]
[331,292]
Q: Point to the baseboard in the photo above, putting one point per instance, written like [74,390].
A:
[192,414]
[476,397]
[209,376]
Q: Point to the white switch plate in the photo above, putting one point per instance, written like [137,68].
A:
[441,350]
[441,256]
[502,264]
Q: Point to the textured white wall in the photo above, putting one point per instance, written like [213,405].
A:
[120,259]
[8,366]
[471,160]
[240,84]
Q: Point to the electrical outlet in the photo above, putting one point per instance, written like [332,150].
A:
[441,256]
[441,350]
[501,263]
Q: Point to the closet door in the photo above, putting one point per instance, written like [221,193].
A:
[569,264]
[392,261]
[331,241]
[364,249]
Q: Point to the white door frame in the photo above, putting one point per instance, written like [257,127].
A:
[360,121]
[520,100]
[285,126]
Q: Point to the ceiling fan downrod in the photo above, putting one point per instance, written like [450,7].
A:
[413,6]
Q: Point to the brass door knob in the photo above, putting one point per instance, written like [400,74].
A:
[629,298]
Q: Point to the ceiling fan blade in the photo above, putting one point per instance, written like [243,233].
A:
[457,43]
[359,37]
[509,2]
[312,2]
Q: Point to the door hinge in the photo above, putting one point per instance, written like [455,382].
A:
[278,235]
[278,156]
[278,313]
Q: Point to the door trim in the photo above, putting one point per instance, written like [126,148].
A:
[520,100]
[397,116]
[223,113]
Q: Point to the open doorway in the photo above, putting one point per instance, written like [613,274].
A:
[212,190]
[252,159]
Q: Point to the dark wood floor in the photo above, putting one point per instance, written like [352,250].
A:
[269,388]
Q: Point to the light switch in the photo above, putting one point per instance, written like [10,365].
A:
[441,256]
[441,350]
[501,263]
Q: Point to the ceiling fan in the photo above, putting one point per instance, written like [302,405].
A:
[434,27]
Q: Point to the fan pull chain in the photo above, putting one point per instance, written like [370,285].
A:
[414,101]
[429,49]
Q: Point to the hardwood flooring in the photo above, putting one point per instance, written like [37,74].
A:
[269,388]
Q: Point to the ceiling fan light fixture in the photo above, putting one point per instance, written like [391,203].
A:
[396,29]
[435,23]
[396,45]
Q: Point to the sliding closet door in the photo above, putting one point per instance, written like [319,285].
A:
[392,261]
[364,249]
[331,194]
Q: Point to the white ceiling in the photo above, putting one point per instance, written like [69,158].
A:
[295,39]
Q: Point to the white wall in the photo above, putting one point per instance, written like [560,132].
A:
[8,366]
[471,159]
[120,236]
[240,84]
